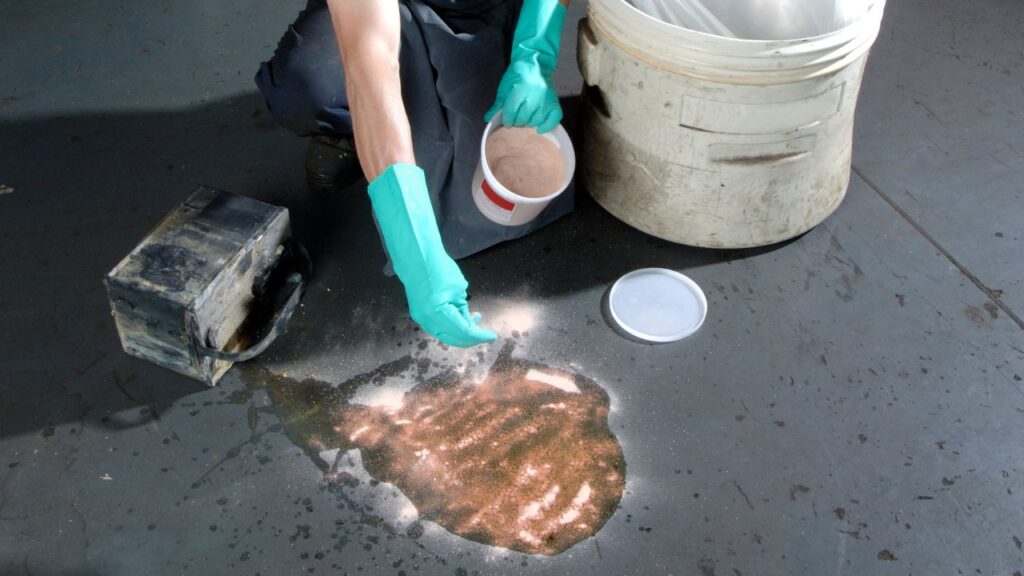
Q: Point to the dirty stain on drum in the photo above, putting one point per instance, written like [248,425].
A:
[523,459]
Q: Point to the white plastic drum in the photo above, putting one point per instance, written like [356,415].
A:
[713,141]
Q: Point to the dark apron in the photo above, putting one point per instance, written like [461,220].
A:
[453,54]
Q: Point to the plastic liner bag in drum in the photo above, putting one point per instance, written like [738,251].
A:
[757,19]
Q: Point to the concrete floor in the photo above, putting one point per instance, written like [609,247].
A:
[853,404]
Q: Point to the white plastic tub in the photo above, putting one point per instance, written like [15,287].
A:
[713,141]
[501,205]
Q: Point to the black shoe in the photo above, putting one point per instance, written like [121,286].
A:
[331,163]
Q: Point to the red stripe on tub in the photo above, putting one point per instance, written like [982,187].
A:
[498,200]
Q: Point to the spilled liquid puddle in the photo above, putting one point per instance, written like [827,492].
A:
[523,459]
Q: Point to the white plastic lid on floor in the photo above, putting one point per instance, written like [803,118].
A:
[657,304]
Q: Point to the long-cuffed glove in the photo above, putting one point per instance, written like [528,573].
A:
[434,286]
[526,94]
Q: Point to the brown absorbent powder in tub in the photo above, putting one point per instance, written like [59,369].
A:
[525,162]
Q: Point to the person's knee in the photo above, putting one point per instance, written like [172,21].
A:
[292,97]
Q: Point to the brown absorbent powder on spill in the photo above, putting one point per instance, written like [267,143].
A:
[523,460]
[525,162]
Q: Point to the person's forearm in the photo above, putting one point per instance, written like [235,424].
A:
[381,126]
[369,35]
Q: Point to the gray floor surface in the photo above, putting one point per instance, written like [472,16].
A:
[853,405]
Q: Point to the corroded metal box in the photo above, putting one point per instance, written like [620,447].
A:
[182,297]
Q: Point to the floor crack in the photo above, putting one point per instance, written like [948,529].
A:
[990,293]
[744,494]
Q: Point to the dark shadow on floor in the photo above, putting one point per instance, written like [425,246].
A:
[88,187]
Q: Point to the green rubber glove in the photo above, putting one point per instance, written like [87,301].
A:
[526,94]
[434,286]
